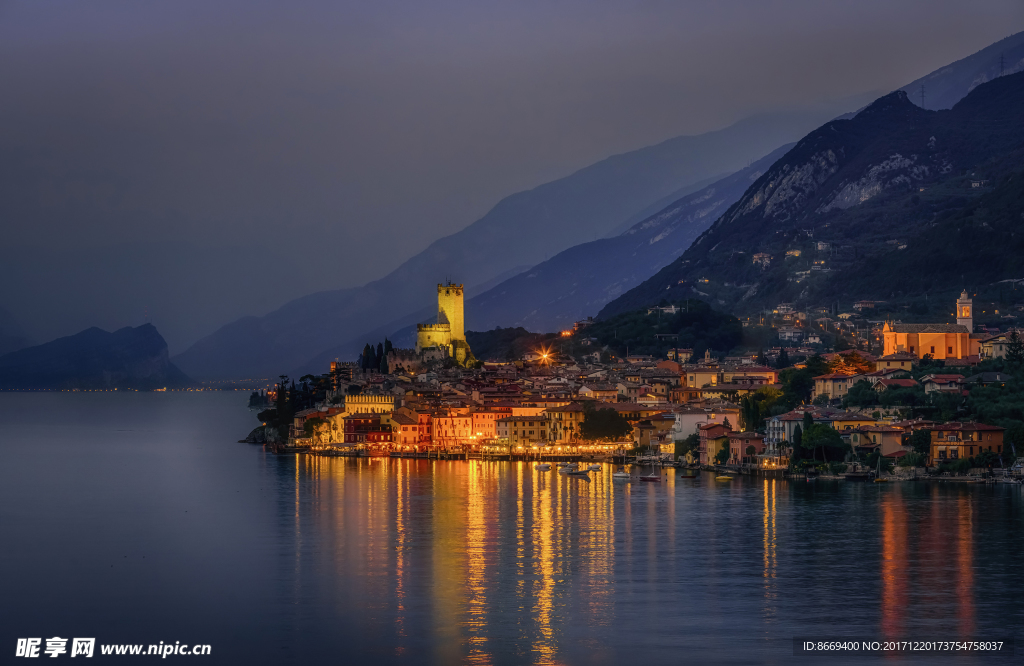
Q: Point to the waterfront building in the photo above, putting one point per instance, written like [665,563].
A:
[955,441]
[370,432]
[714,437]
[564,423]
[740,444]
[886,439]
[523,432]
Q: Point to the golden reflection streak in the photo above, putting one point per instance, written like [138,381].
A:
[401,541]
[448,561]
[965,562]
[894,565]
[543,527]
[476,572]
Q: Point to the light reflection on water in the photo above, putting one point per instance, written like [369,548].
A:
[536,567]
[138,518]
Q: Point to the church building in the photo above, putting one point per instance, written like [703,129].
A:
[940,341]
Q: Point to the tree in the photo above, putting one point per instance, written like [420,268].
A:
[783,360]
[387,347]
[921,441]
[821,400]
[861,394]
[726,424]
[986,459]
[605,423]
[722,456]
[1015,350]
[761,360]
[684,446]
[824,437]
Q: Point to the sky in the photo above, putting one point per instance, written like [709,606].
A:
[188,162]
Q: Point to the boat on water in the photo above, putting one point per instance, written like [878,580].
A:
[651,478]
[576,472]
[723,477]
[621,474]
[687,476]
[595,468]
[544,467]
[562,464]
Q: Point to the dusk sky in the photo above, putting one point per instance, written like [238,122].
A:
[208,160]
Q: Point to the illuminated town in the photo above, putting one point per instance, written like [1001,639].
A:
[438,401]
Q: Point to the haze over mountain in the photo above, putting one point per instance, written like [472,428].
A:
[578,282]
[518,232]
[190,163]
[252,347]
[896,202]
[130,358]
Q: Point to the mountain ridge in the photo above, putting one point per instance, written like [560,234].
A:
[128,358]
[894,170]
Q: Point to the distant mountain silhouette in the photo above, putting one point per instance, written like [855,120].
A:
[578,282]
[894,202]
[520,231]
[129,358]
[524,233]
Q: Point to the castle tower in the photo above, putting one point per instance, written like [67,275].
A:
[965,312]
[449,308]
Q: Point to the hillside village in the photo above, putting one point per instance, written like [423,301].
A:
[899,396]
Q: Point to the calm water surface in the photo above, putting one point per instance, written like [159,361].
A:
[137,518]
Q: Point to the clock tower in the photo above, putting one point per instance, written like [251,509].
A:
[965,312]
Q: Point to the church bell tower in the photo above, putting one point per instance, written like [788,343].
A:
[965,312]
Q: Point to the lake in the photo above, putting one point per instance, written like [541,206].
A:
[138,518]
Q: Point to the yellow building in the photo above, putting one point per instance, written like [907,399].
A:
[449,331]
[940,341]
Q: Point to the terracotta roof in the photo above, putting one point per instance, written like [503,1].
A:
[898,356]
[897,383]
[928,328]
[956,425]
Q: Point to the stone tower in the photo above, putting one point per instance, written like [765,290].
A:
[449,309]
[965,312]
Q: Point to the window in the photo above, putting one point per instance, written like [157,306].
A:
[911,349]
[949,350]
[933,349]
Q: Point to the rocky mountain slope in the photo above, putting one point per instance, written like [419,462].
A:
[578,282]
[522,230]
[129,358]
[857,197]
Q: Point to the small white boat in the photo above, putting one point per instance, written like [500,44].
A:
[621,475]
[595,468]
[544,467]
[561,464]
